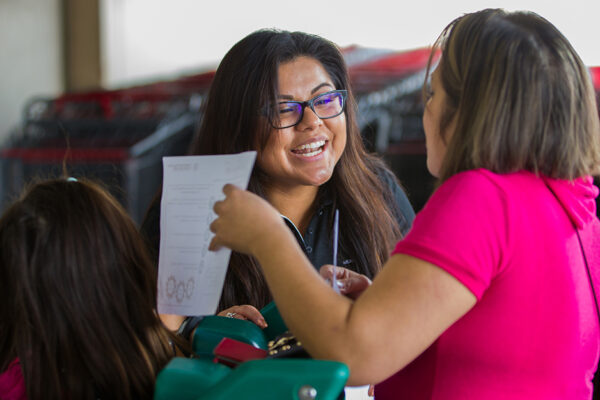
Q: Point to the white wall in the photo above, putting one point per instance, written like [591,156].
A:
[30,55]
[145,39]
[151,39]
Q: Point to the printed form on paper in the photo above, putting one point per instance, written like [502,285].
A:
[190,278]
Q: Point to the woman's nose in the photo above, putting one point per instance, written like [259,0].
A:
[310,119]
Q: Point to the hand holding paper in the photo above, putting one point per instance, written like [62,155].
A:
[244,221]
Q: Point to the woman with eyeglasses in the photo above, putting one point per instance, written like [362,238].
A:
[287,96]
[493,292]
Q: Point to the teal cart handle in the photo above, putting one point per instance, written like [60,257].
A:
[296,379]
[186,378]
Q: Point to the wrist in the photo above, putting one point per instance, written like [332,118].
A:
[274,239]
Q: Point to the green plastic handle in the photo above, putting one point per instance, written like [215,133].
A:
[281,379]
[213,328]
[186,378]
[201,379]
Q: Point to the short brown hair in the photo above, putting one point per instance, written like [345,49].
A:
[522,97]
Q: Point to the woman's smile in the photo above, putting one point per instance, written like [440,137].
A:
[310,150]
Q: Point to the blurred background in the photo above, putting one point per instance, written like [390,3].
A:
[111,86]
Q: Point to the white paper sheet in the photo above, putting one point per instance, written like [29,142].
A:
[190,278]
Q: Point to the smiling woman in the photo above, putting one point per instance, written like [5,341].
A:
[286,95]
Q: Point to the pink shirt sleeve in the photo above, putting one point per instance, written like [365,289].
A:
[462,229]
[12,385]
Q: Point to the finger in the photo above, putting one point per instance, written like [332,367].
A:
[354,286]
[224,312]
[231,312]
[326,271]
[214,244]
[251,313]
[245,312]
[371,391]
[350,285]
[218,207]
[229,188]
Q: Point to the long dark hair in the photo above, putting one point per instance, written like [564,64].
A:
[245,82]
[79,296]
[522,97]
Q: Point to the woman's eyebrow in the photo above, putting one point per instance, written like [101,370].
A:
[320,86]
[288,97]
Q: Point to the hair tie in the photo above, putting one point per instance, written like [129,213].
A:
[71,179]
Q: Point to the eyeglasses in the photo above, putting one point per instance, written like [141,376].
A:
[326,105]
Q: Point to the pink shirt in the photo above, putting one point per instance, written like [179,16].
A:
[533,333]
[12,385]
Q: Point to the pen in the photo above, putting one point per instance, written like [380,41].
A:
[335,247]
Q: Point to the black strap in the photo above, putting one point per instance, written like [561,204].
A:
[188,325]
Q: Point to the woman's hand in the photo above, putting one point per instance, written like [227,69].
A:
[245,222]
[246,312]
[350,283]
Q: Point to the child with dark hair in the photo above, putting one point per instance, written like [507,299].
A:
[78,318]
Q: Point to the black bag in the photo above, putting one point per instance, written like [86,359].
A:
[286,346]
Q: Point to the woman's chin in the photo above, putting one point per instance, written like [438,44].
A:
[321,179]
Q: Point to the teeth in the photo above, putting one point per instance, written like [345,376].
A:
[313,153]
[313,145]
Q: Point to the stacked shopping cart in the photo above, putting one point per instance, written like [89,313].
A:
[117,137]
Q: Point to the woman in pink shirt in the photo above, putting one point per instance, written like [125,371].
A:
[489,296]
